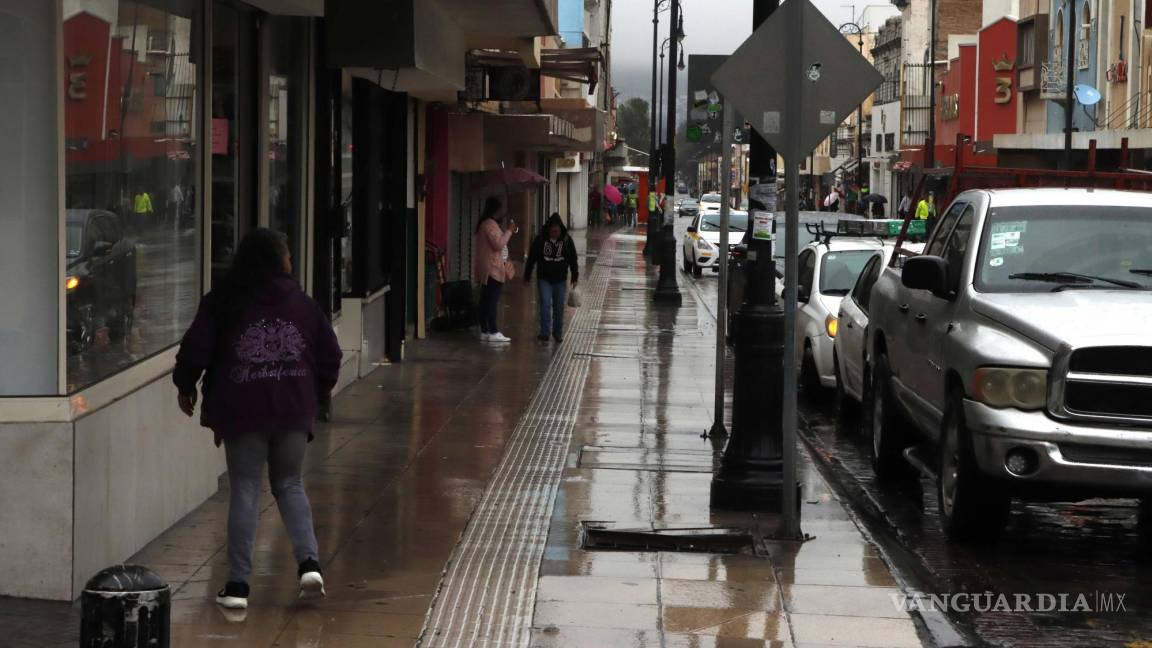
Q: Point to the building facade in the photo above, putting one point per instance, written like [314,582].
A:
[154,134]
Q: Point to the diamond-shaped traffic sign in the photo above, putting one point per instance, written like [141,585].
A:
[836,78]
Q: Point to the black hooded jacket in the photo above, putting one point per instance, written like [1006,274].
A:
[555,258]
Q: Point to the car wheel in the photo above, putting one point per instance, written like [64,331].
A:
[697,271]
[809,376]
[687,264]
[889,429]
[972,508]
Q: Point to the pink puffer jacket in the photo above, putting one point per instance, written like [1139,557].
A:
[488,262]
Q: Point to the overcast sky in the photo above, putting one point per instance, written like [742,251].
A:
[711,27]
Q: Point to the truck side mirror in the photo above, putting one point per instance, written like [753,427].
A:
[926,273]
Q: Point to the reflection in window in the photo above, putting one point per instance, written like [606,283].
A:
[286,83]
[133,270]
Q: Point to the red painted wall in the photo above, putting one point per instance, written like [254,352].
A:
[439,177]
[997,42]
[957,84]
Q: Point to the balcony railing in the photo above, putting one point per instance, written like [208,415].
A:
[1053,80]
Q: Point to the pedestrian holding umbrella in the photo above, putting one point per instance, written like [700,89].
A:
[876,203]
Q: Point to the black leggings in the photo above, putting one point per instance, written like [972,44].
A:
[489,305]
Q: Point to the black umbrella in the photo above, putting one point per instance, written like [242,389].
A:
[875,198]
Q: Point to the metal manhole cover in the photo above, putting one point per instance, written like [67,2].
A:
[612,537]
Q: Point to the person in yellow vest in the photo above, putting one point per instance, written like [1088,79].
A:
[142,207]
[926,211]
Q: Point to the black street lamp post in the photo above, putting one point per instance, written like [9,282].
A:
[667,291]
[853,28]
[650,245]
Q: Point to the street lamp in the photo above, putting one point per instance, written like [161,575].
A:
[660,93]
[653,165]
[848,29]
[667,292]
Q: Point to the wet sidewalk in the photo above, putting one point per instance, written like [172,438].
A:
[449,492]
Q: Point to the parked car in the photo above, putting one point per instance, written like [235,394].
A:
[848,348]
[1013,356]
[687,207]
[100,277]
[701,245]
[828,269]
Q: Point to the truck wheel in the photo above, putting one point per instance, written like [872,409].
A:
[889,428]
[809,376]
[972,508]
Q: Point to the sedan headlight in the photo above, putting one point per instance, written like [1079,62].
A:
[702,244]
[1025,389]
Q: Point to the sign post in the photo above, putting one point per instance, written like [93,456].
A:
[824,78]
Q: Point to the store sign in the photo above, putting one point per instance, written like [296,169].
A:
[78,76]
[950,107]
[570,163]
[1003,93]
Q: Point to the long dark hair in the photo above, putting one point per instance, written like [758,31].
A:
[491,208]
[259,260]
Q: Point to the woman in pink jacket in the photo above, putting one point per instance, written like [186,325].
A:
[490,267]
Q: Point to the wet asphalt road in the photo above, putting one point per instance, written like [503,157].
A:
[1081,548]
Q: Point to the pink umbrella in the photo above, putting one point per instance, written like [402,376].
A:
[612,194]
[511,180]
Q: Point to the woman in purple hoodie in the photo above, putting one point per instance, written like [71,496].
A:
[268,355]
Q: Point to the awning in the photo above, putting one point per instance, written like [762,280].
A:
[581,64]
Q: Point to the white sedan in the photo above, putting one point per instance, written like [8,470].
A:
[701,246]
[710,203]
[828,271]
[849,347]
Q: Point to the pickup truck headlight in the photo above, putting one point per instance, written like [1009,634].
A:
[1025,389]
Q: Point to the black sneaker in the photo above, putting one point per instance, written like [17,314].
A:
[234,596]
[558,338]
[542,338]
[311,582]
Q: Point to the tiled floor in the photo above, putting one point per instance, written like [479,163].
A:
[397,478]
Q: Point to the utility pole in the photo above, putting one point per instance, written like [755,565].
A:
[1069,85]
[667,292]
[653,155]
[751,472]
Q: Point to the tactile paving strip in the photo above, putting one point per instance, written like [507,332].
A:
[487,594]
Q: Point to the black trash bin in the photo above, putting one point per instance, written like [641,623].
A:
[126,606]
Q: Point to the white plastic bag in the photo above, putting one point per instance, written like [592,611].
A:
[574,299]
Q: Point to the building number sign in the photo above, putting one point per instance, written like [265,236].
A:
[78,77]
[1003,94]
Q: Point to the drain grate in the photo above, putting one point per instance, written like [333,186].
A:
[601,536]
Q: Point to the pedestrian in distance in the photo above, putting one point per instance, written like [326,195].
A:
[926,211]
[268,355]
[594,203]
[490,267]
[905,207]
[554,253]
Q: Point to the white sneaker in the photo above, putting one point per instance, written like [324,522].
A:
[485,337]
[499,337]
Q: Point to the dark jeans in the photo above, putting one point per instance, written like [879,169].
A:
[489,306]
[552,297]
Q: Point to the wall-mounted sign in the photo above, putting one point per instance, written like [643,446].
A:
[1003,82]
[78,76]
[570,163]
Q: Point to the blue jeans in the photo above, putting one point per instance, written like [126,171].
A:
[552,298]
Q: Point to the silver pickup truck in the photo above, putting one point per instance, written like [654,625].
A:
[1014,357]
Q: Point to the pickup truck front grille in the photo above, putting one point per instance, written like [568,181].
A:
[1109,384]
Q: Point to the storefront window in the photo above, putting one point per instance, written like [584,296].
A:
[287,83]
[346,176]
[132,235]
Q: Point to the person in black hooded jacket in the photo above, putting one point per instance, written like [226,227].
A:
[555,254]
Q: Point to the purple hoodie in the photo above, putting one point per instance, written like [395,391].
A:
[269,370]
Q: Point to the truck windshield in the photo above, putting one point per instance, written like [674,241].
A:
[840,270]
[1046,248]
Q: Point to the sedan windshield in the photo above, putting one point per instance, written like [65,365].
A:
[710,198]
[840,270]
[1037,249]
[737,222]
